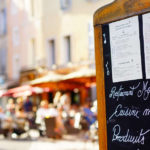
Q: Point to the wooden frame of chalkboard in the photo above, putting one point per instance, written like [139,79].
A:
[123,100]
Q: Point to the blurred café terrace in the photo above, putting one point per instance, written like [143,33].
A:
[46,83]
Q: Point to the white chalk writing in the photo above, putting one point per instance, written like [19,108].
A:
[108,72]
[128,138]
[116,94]
[120,112]
[104,36]
[145,92]
[146,112]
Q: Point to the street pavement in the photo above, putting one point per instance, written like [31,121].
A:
[67,143]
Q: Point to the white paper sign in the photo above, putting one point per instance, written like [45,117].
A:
[125,50]
[146,33]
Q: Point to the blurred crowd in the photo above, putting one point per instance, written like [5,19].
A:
[48,119]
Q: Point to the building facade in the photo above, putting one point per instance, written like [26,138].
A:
[3,42]
[23,29]
[50,33]
[67,28]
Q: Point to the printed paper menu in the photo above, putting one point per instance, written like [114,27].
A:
[125,50]
[146,34]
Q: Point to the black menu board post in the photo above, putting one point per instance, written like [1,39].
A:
[122,48]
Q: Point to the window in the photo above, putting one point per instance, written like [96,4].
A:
[14,9]
[32,8]
[65,4]
[91,41]
[3,62]
[3,22]
[16,66]
[15,36]
[51,53]
[32,52]
[67,49]
[92,0]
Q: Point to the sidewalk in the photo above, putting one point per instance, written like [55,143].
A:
[67,143]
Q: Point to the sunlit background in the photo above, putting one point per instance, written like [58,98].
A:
[47,48]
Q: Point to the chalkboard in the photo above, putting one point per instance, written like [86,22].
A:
[127,83]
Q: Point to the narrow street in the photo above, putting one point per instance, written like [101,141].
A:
[67,143]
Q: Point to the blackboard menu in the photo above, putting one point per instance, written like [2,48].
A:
[126,45]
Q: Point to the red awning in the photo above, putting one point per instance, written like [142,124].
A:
[25,90]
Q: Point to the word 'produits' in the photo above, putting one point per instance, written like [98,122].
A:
[128,138]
